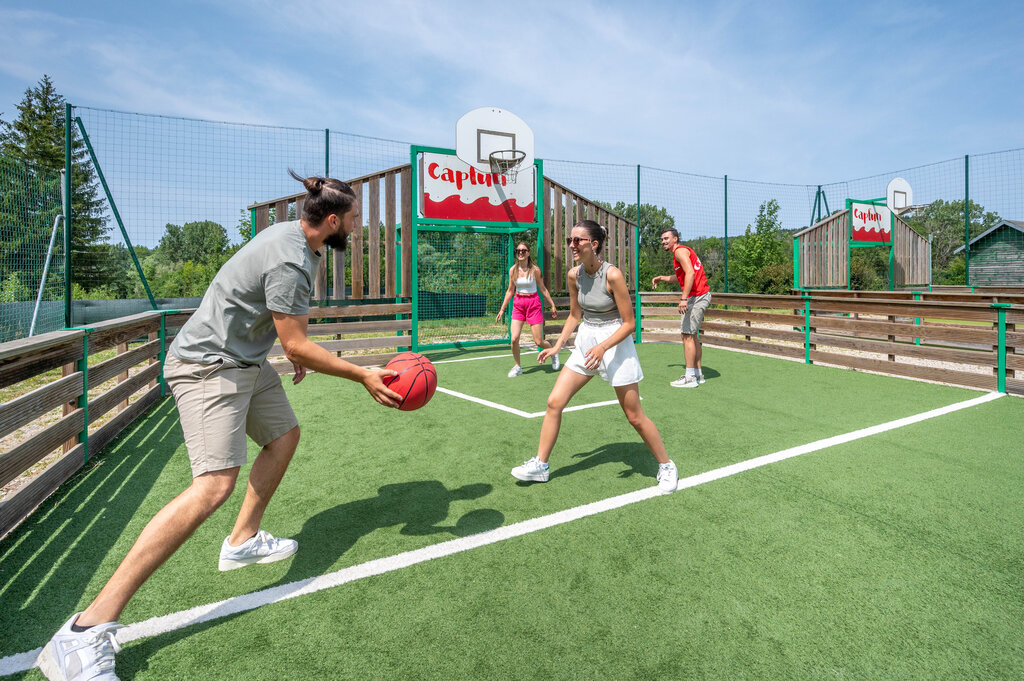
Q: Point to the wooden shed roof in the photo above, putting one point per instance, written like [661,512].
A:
[1012,224]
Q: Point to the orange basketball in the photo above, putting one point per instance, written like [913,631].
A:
[415,382]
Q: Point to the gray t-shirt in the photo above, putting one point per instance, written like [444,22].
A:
[273,272]
[592,294]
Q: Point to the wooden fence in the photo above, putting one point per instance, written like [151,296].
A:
[971,344]
[822,254]
[563,208]
[128,383]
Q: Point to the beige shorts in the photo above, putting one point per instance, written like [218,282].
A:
[696,306]
[219,404]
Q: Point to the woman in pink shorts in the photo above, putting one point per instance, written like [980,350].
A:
[524,281]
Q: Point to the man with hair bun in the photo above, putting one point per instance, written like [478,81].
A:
[693,303]
[226,390]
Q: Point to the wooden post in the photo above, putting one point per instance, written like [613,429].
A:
[123,376]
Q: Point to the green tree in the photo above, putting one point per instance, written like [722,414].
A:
[653,219]
[37,137]
[760,247]
[944,222]
[203,242]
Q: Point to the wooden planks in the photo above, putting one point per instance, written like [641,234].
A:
[25,455]
[28,407]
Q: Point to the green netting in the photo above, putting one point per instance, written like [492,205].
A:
[463,276]
[30,203]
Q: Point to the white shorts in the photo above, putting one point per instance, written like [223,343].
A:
[619,365]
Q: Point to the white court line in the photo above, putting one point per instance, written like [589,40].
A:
[470,359]
[517,412]
[163,624]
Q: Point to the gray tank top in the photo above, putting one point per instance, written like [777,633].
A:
[598,305]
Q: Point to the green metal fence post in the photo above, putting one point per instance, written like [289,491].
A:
[163,350]
[807,329]
[725,246]
[117,214]
[917,320]
[67,216]
[796,266]
[1001,353]
[83,399]
[636,258]
[967,221]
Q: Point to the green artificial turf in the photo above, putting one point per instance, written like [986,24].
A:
[895,556]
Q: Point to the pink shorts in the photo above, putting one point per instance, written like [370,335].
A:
[526,307]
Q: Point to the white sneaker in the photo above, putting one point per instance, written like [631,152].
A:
[668,477]
[685,381]
[555,364]
[700,379]
[73,656]
[515,371]
[532,471]
[262,548]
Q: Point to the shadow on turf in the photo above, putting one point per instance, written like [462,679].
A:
[708,373]
[421,508]
[635,456]
[46,564]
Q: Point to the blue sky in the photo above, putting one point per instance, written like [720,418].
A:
[802,92]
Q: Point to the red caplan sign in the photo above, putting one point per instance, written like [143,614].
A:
[870,223]
[453,190]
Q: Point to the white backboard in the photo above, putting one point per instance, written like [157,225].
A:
[489,129]
[898,195]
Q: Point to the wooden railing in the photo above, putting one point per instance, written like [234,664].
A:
[970,344]
[77,413]
[97,400]
[394,185]
[938,295]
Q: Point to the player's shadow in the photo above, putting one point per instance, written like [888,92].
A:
[420,508]
[708,372]
[634,456]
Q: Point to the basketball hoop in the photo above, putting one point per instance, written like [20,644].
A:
[506,162]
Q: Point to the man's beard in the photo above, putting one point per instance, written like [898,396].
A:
[337,241]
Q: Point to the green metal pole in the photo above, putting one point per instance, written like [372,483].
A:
[1001,356]
[163,352]
[327,152]
[807,329]
[796,265]
[113,209]
[67,215]
[83,399]
[413,235]
[917,320]
[252,223]
[636,259]
[725,246]
[967,221]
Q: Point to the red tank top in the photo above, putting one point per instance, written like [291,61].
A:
[700,281]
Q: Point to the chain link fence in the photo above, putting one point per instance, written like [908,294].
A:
[31,250]
[175,195]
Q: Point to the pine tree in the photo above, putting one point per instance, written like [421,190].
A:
[37,137]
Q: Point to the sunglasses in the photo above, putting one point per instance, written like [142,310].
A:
[522,250]
[575,240]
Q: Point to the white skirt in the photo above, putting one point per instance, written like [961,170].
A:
[619,364]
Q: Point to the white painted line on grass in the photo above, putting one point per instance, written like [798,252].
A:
[470,359]
[163,624]
[517,412]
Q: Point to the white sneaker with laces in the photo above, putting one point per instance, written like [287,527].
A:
[85,656]
[555,364]
[262,548]
[515,371]
[532,471]
[685,381]
[668,477]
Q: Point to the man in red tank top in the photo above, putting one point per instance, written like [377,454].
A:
[693,303]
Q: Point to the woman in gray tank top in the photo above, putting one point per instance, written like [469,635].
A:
[598,298]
